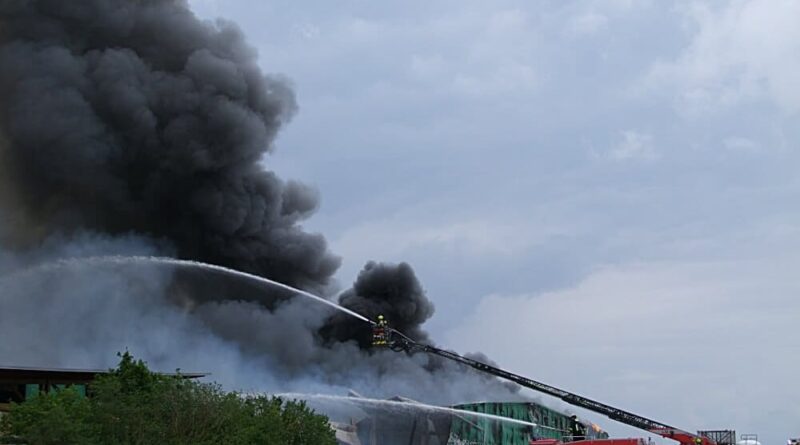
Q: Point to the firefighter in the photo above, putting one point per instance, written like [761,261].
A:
[380,336]
[577,429]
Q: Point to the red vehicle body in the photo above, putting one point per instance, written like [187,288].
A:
[631,441]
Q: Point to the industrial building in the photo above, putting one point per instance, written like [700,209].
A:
[378,426]
[18,384]
[550,424]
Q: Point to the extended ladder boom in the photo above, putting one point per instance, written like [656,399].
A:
[402,342]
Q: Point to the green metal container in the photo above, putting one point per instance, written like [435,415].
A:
[550,424]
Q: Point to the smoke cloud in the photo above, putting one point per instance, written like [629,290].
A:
[130,127]
[383,289]
[125,116]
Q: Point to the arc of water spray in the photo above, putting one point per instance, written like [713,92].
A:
[117,259]
[404,404]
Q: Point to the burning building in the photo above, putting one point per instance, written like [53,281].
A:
[400,421]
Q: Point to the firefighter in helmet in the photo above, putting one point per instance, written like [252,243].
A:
[576,428]
[380,332]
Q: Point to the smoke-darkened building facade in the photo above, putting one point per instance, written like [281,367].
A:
[389,426]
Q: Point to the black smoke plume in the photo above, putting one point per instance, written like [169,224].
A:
[383,289]
[133,116]
[130,126]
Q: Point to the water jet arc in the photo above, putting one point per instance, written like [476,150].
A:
[411,405]
[127,260]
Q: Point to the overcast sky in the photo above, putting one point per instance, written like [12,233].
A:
[600,194]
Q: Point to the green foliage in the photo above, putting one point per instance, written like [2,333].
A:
[54,418]
[132,406]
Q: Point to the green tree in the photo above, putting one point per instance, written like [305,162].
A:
[132,405]
[51,418]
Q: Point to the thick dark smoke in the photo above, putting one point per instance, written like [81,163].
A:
[383,289]
[129,126]
[132,115]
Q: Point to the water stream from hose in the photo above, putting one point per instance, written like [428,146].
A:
[398,406]
[127,260]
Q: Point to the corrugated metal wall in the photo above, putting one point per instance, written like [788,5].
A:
[550,424]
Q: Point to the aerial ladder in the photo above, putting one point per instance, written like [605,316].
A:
[398,341]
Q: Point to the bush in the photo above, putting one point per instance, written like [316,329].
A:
[132,405]
[55,418]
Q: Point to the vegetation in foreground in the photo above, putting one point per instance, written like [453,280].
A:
[133,405]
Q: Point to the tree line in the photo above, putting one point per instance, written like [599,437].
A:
[132,405]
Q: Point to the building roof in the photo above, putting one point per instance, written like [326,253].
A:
[66,375]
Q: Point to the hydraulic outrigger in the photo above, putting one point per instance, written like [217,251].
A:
[398,341]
